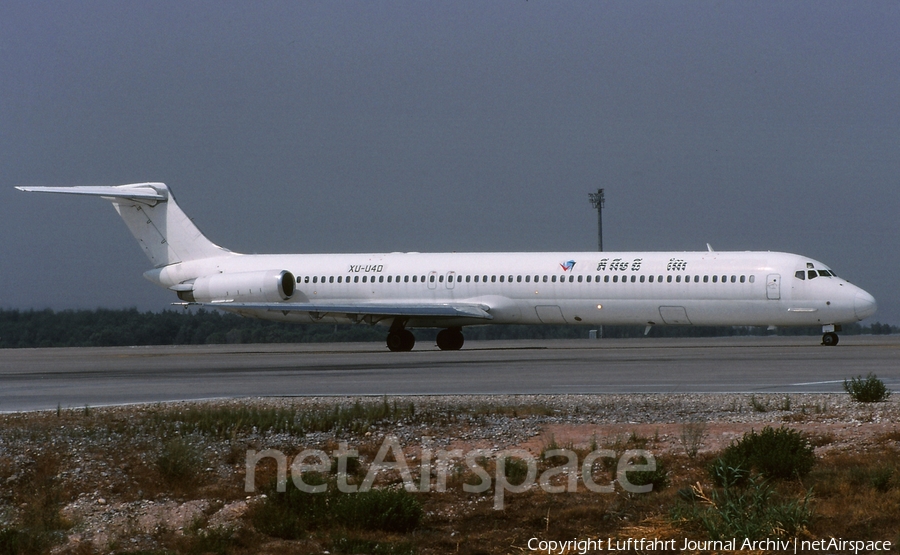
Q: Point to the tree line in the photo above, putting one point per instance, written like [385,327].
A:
[126,327]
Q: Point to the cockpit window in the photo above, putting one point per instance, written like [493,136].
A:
[824,273]
[812,274]
[800,274]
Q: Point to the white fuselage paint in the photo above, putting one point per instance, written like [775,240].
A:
[699,288]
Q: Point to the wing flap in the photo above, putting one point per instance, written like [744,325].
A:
[419,310]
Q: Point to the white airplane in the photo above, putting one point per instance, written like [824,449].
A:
[452,290]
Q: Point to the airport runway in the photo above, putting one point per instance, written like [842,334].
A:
[46,378]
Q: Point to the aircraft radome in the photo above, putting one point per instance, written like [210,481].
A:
[453,290]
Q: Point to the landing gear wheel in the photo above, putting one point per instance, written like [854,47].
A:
[402,340]
[830,339]
[450,339]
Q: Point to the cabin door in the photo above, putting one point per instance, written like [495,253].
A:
[451,279]
[773,287]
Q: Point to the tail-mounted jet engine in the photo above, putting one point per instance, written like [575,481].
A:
[265,286]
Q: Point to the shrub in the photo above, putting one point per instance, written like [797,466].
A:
[868,390]
[692,436]
[780,453]
[387,510]
[179,462]
[659,477]
[293,513]
[754,512]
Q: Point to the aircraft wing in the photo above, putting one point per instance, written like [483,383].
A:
[413,310]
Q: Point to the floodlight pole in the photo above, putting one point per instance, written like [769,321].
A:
[598,201]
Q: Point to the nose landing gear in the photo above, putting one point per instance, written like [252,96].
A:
[829,337]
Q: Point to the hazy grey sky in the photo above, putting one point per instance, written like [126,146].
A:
[434,126]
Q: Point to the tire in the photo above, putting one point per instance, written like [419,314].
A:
[830,339]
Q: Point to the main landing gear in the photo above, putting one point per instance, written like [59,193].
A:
[450,339]
[401,339]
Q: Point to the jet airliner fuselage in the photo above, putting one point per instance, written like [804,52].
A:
[453,290]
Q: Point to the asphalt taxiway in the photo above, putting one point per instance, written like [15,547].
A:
[33,379]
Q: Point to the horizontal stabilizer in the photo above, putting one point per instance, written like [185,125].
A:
[164,232]
[137,191]
[421,310]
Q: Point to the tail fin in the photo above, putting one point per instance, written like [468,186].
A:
[163,230]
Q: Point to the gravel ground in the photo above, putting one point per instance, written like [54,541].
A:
[106,457]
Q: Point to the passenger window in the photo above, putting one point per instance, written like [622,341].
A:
[615,279]
[315,279]
[545,279]
[651,279]
[459,279]
[733,279]
[642,279]
[811,274]
[553,279]
[668,279]
[705,279]
[331,279]
[484,279]
[493,279]
[752,279]
[468,279]
[588,278]
[415,279]
[633,278]
[571,279]
[743,278]
[380,279]
[518,279]
[659,279]
[405,279]
[696,279]
[677,279]
[580,278]
[440,279]
[527,279]
[476,279]
[501,279]
[724,279]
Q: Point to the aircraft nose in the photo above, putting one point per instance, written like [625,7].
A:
[864,305]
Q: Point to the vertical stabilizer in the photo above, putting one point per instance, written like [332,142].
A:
[164,231]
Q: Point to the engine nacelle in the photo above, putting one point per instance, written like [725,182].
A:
[266,286]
